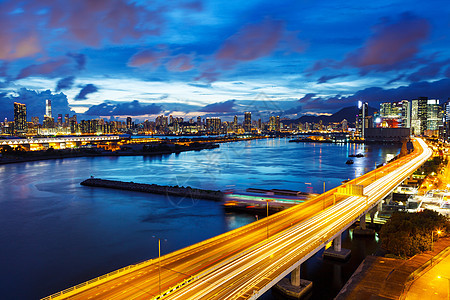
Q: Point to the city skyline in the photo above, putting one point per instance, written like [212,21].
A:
[209,58]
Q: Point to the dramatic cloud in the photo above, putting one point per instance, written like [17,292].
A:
[65,83]
[50,69]
[326,78]
[251,42]
[87,89]
[220,107]
[180,63]
[146,58]
[80,60]
[133,108]
[375,95]
[35,102]
[429,71]
[393,45]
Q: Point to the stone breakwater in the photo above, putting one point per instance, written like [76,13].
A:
[155,189]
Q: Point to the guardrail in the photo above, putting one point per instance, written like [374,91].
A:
[89,282]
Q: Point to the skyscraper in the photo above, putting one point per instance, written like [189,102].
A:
[48,108]
[20,117]
[434,114]
[248,121]
[361,119]
[419,115]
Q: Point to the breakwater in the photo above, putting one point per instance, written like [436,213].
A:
[155,189]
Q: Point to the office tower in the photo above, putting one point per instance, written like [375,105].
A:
[406,113]
[235,124]
[277,124]
[434,114]
[48,108]
[60,120]
[385,109]
[20,117]
[35,120]
[362,117]
[66,120]
[129,123]
[344,125]
[419,115]
[199,123]
[248,121]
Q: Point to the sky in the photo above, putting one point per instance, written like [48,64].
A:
[118,58]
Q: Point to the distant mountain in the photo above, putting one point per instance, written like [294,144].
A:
[348,113]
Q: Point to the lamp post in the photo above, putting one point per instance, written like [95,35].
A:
[267,217]
[432,243]
[159,262]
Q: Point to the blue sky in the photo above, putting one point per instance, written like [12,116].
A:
[142,58]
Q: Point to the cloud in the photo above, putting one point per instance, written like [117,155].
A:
[251,42]
[133,108]
[55,67]
[51,68]
[220,107]
[294,110]
[307,97]
[65,83]
[375,95]
[326,78]
[393,45]
[80,60]
[87,89]
[180,63]
[429,71]
[147,57]
[35,102]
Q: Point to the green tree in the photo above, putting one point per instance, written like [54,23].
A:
[407,234]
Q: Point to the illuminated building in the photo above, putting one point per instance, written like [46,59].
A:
[419,115]
[362,117]
[48,108]
[20,117]
[434,115]
[129,123]
[247,121]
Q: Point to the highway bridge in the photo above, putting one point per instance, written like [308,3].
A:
[246,262]
[60,139]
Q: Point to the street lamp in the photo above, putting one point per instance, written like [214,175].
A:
[432,245]
[267,217]
[159,262]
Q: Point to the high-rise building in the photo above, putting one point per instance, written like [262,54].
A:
[129,123]
[362,117]
[48,108]
[419,115]
[235,124]
[20,117]
[35,120]
[60,120]
[434,114]
[247,121]
[66,120]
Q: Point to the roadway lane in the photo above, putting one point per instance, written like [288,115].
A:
[143,281]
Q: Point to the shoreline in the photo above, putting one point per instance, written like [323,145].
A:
[155,189]
[61,154]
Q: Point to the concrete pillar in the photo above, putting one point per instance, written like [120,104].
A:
[337,243]
[295,276]
[379,206]
[362,222]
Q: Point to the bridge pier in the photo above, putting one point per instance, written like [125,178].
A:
[362,229]
[336,251]
[296,287]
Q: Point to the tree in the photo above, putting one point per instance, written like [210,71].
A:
[407,234]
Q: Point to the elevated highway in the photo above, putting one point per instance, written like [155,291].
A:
[246,262]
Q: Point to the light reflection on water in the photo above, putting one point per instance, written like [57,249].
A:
[56,233]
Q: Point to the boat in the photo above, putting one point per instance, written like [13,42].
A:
[359,155]
[349,162]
